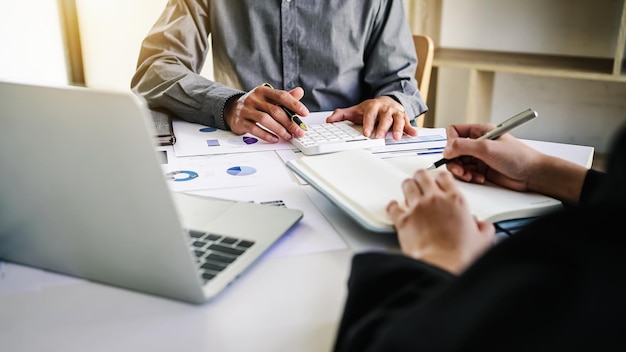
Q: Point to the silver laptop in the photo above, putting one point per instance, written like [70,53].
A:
[82,192]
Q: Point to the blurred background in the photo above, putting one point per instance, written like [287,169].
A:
[96,43]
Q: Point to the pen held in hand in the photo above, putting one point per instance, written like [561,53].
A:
[292,115]
[501,129]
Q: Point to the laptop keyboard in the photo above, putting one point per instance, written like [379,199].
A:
[216,252]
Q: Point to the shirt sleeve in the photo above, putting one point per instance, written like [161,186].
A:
[392,60]
[380,283]
[170,61]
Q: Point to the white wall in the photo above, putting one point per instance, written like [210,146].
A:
[561,27]
[112,32]
[570,110]
[31,43]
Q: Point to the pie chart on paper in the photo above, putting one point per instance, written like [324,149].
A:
[250,140]
[181,175]
[241,171]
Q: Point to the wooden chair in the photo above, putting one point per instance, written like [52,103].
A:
[425,50]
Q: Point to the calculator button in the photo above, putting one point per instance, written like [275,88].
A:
[333,137]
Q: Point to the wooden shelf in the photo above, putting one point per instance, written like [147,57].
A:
[483,65]
[529,64]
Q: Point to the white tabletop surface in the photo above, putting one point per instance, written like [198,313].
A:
[283,303]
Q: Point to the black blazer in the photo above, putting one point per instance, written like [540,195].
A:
[557,285]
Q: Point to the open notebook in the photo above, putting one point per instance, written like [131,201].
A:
[82,192]
[362,185]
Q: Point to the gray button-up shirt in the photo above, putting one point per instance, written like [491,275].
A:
[340,52]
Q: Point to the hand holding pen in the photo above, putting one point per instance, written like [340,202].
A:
[501,129]
[292,115]
[260,113]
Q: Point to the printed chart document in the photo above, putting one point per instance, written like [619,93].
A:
[362,184]
[196,139]
[225,171]
[427,141]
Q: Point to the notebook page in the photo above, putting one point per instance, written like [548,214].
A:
[487,202]
[493,203]
[360,181]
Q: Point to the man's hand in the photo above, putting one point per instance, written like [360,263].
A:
[258,112]
[381,113]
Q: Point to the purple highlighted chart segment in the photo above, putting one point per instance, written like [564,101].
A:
[245,140]
[249,140]
[241,171]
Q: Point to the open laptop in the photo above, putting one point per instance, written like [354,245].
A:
[82,192]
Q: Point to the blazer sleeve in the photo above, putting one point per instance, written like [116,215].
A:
[591,185]
[379,284]
[391,60]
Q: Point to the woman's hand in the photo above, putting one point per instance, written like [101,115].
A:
[434,223]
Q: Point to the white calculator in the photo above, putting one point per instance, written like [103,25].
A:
[332,137]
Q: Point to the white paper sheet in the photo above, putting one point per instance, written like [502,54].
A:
[225,171]
[197,139]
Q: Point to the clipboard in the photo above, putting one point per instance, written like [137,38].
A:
[164,128]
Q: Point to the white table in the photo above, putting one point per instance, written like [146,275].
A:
[288,303]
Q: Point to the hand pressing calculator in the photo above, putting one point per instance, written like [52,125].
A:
[332,137]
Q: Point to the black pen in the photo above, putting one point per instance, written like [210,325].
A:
[292,115]
[501,129]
